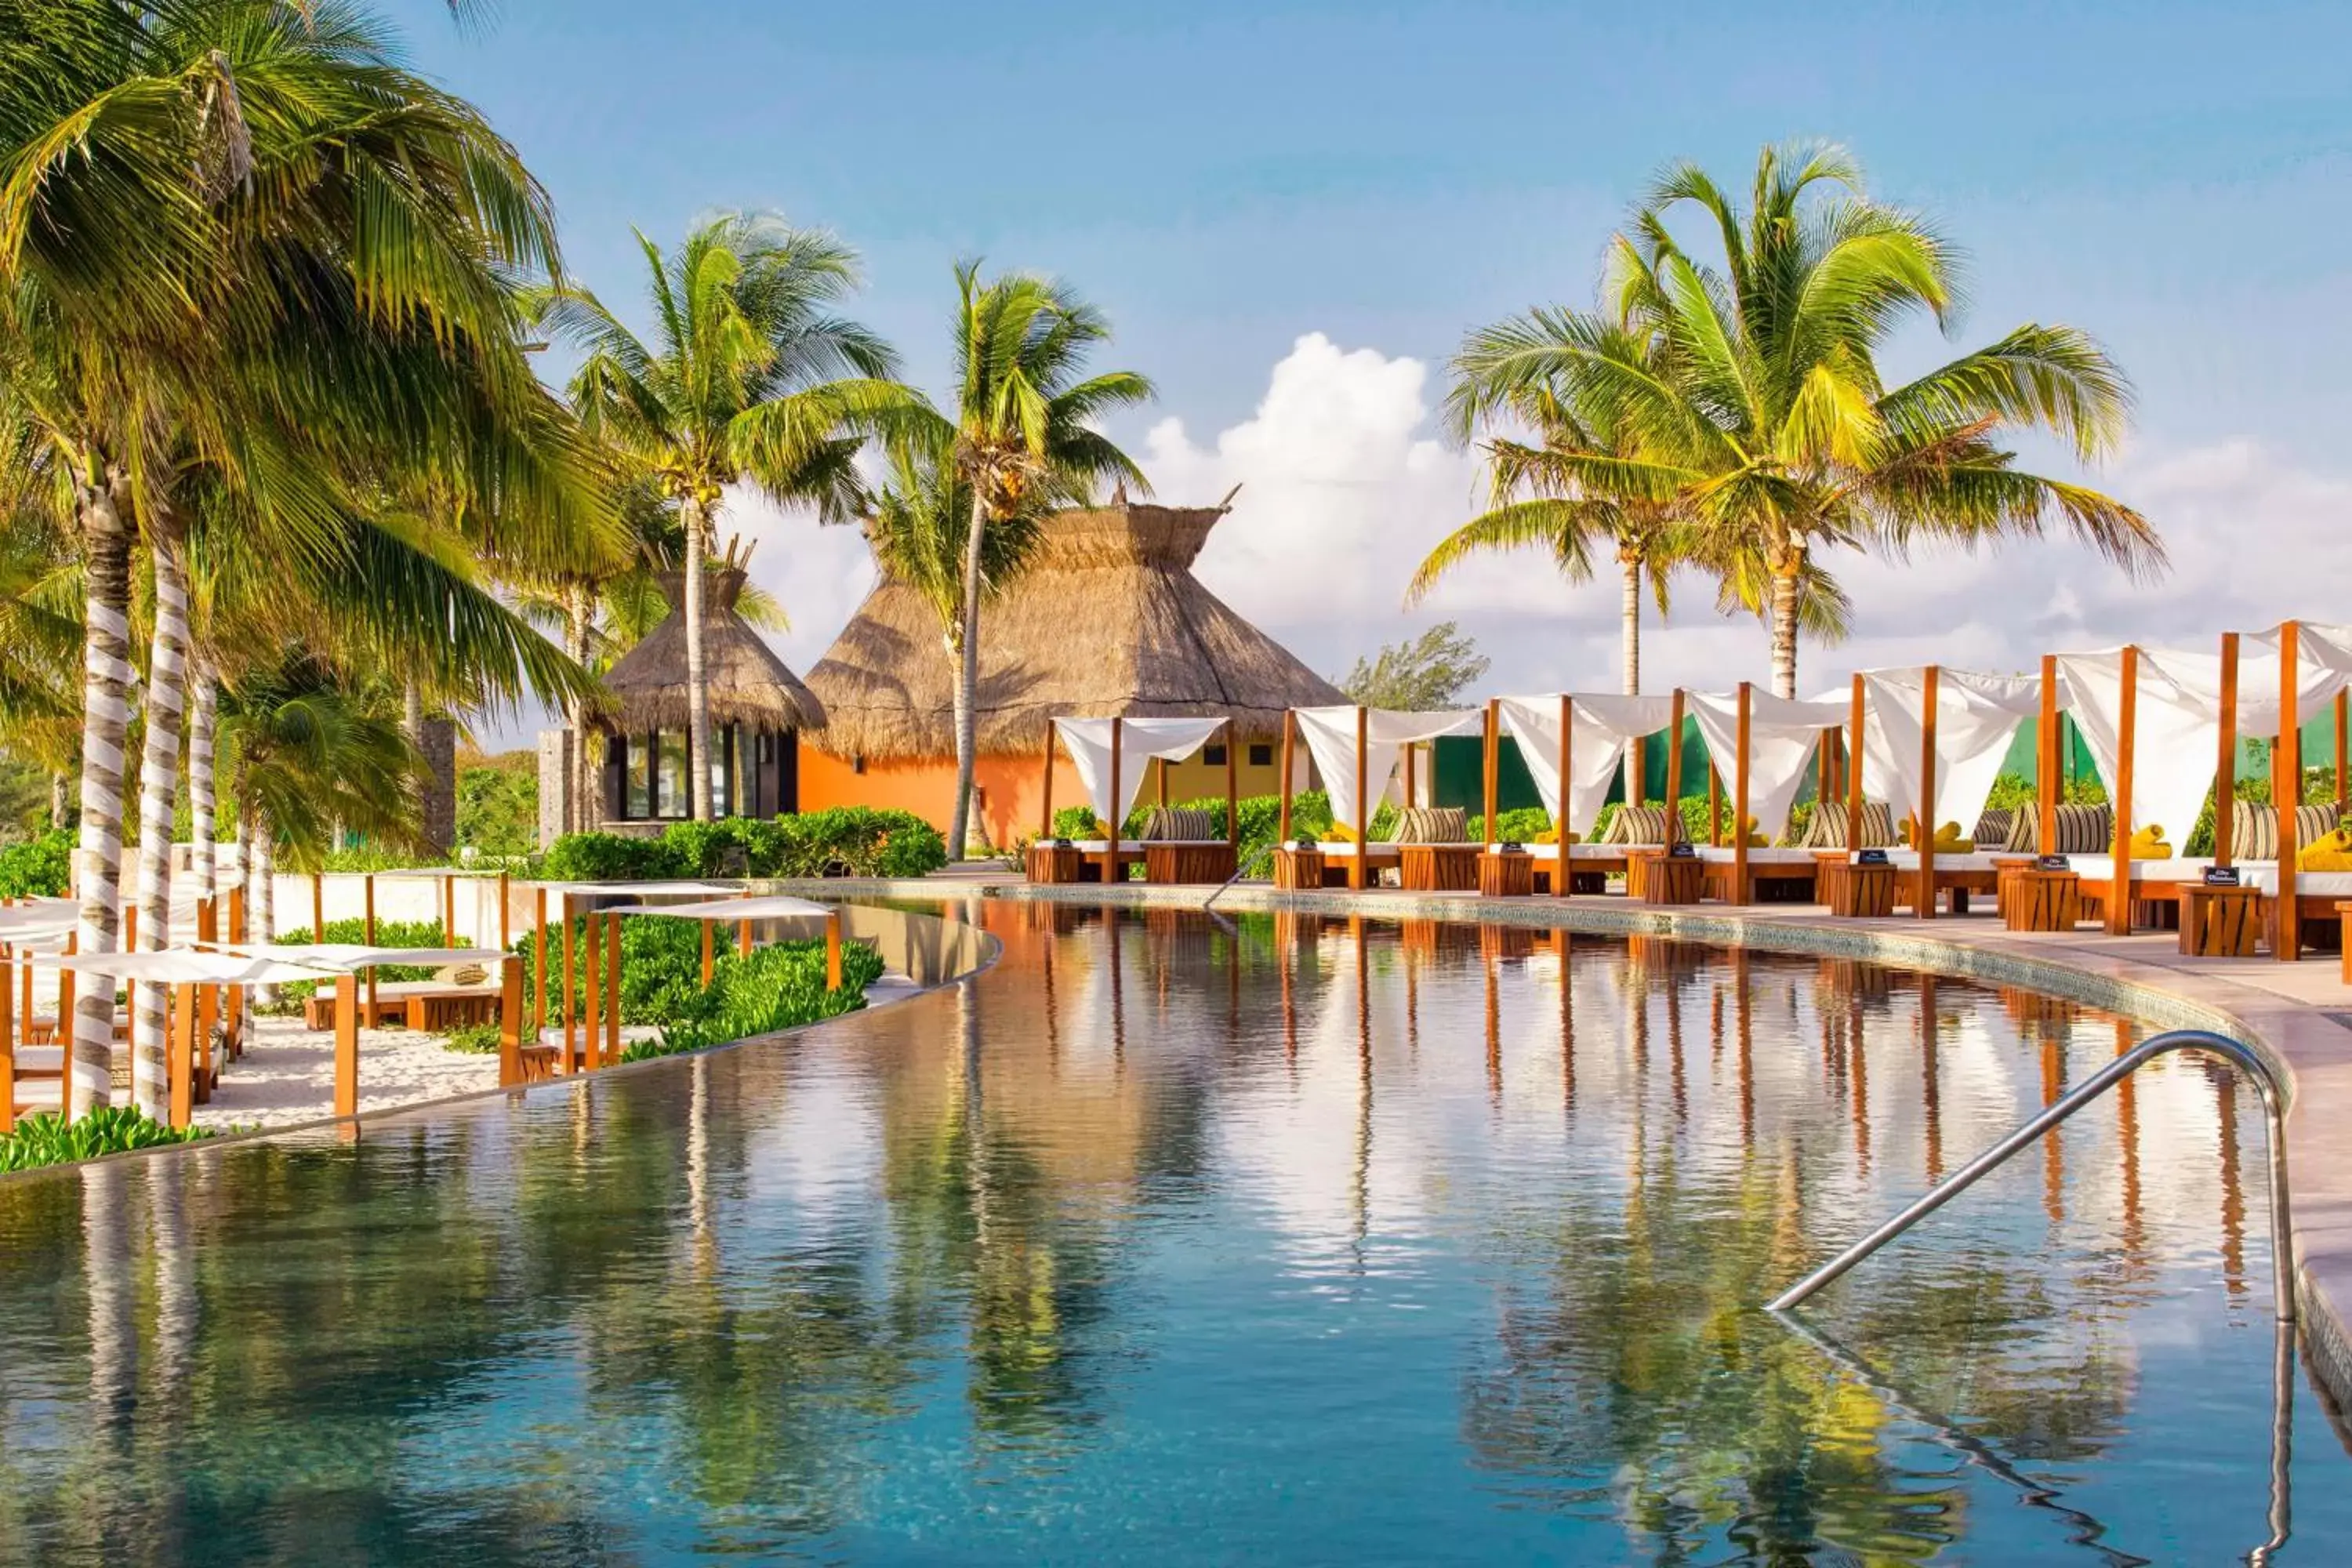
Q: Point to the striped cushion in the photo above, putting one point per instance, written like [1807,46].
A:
[1827,828]
[1993,827]
[1638,825]
[2255,828]
[1169,824]
[2085,830]
[2024,833]
[1433,824]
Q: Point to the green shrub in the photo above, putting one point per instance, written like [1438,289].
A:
[38,868]
[472,1039]
[851,840]
[610,858]
[388,933]
[48,1139]
[778,987]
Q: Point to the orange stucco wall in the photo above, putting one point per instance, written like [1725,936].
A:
[1011,788]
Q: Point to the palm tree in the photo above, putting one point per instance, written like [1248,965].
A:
[1023,440]
[750,377]
[1765,415]
[1542,498]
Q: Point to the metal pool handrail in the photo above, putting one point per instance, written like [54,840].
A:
[2244,1057]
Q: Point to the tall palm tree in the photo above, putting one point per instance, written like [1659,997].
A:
[1023,438]
[750,377]
[1766,416]
[1543,499]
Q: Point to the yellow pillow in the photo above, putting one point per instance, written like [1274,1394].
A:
[1756,839]
[1340,833]
[2148,843]
[1548,836]
[2332,853]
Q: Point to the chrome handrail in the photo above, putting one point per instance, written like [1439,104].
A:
[2244,1057]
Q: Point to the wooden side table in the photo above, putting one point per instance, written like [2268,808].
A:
[1655,877]
[1437,867]
[1053,863]
[2004,874]
[1858,892]
[1506,874]
[1298,870]
[2218,922]
[1181,863]
[2045,901]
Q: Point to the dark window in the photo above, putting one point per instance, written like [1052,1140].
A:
[857,765]
[1261,756]
[1213,756]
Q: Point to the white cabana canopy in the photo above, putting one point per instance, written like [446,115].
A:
[642,890]
[1601,728]
[1977,717]
[183,966]
[38,919]
[1330,736]
[1781,735]
[2176,727]
[1139,740]
[776,908]
[348,957]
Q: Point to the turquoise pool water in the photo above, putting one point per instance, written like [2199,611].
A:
[1171,1241]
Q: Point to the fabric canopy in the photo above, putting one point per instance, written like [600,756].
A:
[343,957]
[642,890]
[1601,728]
[774,907]
[2176,729]
[1139,740]
[1977,717]
[38,918]
[2323,667]
[1781,735]
[183,966]
[1330,734]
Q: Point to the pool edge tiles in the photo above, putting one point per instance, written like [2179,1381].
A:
[2143,977]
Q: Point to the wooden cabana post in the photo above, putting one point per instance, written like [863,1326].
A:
[347,1044]
[709,951]
[539,965]
[2126,722]
[1363,877]
[1233,787]
[1855,721]
[1045,790]
[506,924]
[1924,826]
[2343,752]
[208,997]
[1411,750]
[1491,778]
[1739,809]
[613,990]
[743,934]
[2045,782]
[1714,806]
[833,951]
[1163,771]
[1289,740]
[2225,766]
[1674,772]
[8,1039]
[1564,881]
[450,909]
[180,1055]
[367,935]
[570,973]
[591,982]
[2287,795]
[510,1022]
[318,906]
[1111,856]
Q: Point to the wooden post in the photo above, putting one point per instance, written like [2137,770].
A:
[506,925]
[1045,810]
[65,1029]
[1233,786]
[1637,774]
[318,907]
[592,984]
[1740,800]
[1111,856]
[1924,823]
[1564,881]
[180,1048]
[2045,772]
[613,990]
[2120,889]
[1674,772]
[232,1025]
[510,1022]
[1493,777]
[2287,793]
[1855,719]
[8,1039]
[709,955]
[571,1062]
[367,888]
[1410,784]
[1162,771]
[1714,806]
[1363,877]
[347,1044]
[539,965]
[833,950]
[2343,752]
[2225,769]
[449,911]
[744,934]
[1289,736]
[208,998]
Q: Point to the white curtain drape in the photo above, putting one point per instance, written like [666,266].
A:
[1781,735]
[2323,667]
[1603,726]
[1140,740]
[2176,727]
[1977,718]
[1331,737]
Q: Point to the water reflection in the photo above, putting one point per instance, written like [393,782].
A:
[1181,1238]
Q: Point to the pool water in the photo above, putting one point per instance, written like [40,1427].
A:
[1171,1240]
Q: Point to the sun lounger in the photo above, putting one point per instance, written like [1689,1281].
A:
[1776,874]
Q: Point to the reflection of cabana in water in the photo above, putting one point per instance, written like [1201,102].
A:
[1347,744]
[1111,756]
[1581,740]
[1931,741]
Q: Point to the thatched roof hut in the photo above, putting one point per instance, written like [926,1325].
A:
[1107,621]
[748,684]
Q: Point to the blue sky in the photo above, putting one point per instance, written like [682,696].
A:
[1226,179]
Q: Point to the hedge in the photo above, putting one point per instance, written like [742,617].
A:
[46,1137]
[38,868]
[851,840]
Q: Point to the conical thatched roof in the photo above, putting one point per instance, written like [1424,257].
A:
[1107,621]
[748,683]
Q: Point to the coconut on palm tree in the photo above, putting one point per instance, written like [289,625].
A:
[1020,438]
[748,378]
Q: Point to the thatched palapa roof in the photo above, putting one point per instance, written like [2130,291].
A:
[1106,621]
[748,683]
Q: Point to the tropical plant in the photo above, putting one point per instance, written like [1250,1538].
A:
[1422,673]
[1021,440]
[748,378]
[46,1137]
[1762,412]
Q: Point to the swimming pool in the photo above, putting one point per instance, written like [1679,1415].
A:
[1170,1239]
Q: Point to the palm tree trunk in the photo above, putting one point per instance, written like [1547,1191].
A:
[1784,627]
[158,792]
[582,816]
[968,683]
[697,688]
[1630,614]
[107,676]
[204,807]
[412,726]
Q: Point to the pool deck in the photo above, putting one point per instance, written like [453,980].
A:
[2298,1016]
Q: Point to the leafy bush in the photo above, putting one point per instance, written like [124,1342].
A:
[778,987]
[610,858]
[472,1039]
[48,1139]
[852,840]
[497,804]
[388,933]
[38,868]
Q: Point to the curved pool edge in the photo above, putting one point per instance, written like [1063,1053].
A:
[2311,1051]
